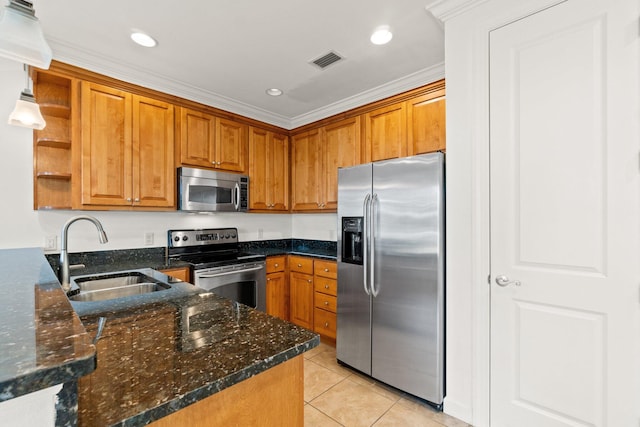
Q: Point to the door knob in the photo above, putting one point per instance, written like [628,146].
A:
[503,280]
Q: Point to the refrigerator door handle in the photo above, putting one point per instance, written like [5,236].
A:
[366,207]
[372,238]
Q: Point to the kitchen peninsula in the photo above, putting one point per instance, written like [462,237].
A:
[189,356]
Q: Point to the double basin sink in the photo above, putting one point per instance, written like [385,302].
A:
[108,286]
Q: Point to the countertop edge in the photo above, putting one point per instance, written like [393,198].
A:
[221,384]
[30,276]
[47,377]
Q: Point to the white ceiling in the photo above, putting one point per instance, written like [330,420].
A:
[226,53]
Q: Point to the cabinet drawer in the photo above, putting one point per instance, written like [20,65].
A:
[326,269]
[325,302]
[324,323]
[301,264]
[326,286]
[275,264]
[182,273]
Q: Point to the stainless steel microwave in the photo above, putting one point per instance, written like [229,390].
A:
[202,190]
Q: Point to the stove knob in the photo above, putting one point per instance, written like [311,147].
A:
[176,239]
[233,236]
[227,236]
[185,238]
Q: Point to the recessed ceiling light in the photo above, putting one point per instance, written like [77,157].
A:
[143,39]
[274,92]
[381,35]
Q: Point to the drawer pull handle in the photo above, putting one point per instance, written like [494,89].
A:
[276,265]
[326,270]
[309,280]
[299,265]
[326,324]
[326,286]
[326,303]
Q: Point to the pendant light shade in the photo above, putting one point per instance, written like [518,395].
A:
[27,112]
[21,37]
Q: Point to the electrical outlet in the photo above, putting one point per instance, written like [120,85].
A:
[148,239]
[260,233]
[51,243]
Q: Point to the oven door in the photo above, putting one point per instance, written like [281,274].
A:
[244,283]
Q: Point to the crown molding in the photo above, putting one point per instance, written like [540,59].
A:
[115,68]
[412,81]
[447,9]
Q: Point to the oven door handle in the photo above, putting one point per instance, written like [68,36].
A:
[226,273]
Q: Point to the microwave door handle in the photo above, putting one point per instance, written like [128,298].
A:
[237,204]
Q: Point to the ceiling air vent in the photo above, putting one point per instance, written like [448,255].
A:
[325,60]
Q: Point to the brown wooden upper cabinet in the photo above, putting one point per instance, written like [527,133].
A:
[268,170]
[212,142]
[416,126]
[127,152]
[316,157]
[427,123]
[386,133]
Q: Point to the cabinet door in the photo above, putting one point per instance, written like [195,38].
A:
[301,299]
[106,146]
[341,148]
[305,171]
[153,148]
[386,133]
[258,169]
[278,295]
[197,138]
[231,146]
[268,170]
[278,172]
[426,123]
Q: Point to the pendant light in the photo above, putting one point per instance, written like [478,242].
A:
[21,36]
[27,111]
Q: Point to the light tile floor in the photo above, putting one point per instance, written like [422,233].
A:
[337,396]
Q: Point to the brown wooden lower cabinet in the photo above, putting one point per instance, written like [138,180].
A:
[272,398]
[182,273]
[131,368]
[301,299]
[277,287]
[313,290]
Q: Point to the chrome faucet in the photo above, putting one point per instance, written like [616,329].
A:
[64,256]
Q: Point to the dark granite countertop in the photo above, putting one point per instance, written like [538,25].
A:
[155,258]
[116,260]
[312,248]
[42,341]
[201,344]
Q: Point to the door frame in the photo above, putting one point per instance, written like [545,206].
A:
[467,27]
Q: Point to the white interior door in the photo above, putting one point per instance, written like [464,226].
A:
[564,217]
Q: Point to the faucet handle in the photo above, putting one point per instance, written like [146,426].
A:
[76,266]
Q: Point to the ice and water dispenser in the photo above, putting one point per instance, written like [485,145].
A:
[352,240]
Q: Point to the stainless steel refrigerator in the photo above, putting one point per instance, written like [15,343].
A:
[391,273]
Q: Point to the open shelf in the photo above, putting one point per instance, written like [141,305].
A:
[55,110]
[52,147]
[53,143]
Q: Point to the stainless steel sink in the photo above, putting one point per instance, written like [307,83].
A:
[114,285]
